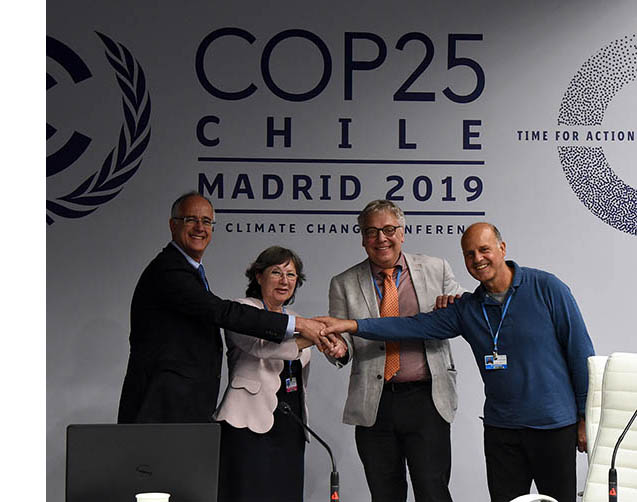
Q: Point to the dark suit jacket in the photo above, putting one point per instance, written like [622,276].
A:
[176,350]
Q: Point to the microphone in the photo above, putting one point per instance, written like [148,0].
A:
[612,473]
[334,482]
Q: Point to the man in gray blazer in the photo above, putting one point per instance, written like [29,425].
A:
[401,418]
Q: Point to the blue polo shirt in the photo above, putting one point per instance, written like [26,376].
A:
[543,336]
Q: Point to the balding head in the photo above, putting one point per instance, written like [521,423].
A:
[481,225]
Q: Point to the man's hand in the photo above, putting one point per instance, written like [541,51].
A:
[582,445]
[334,326]
[311,330]
[443,300]
[302,343]
[339,347]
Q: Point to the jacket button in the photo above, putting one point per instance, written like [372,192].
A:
[381,347]
[379,376]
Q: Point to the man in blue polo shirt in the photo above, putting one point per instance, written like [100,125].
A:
[531,344]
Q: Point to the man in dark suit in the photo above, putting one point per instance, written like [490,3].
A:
[174,367]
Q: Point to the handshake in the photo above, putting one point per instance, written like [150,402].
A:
[325,333]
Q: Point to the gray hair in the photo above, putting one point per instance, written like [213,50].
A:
[175,208]
[381,205]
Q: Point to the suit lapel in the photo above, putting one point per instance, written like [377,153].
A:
[419,281]
[364,276]
[179,258]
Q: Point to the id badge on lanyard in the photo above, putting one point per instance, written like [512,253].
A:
[291,385]
[496,361]
[290,382]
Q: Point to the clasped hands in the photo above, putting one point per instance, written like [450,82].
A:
[325,333]
[335,345]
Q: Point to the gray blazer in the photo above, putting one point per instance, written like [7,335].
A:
[352,296]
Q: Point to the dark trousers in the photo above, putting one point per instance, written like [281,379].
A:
[515,457]
[408,430]
[265,467]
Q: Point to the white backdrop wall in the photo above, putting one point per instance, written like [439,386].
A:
[528,52]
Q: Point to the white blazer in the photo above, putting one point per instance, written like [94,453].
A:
[254,366]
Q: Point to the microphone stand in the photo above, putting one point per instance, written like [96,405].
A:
[612,473]
[334,481]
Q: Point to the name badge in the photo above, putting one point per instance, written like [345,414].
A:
[495,362]
[290,384]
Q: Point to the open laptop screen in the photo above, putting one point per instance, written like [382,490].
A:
[109,462]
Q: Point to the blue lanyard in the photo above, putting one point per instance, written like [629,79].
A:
[380,295]
[265,307]
[497,333]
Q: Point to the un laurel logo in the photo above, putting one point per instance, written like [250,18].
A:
[124,159]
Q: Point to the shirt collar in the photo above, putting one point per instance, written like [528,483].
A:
[481,291]
[376,270]
[194,263]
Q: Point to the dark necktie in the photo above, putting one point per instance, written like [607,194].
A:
[202,276]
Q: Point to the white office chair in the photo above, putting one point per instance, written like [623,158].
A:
[619,401]
[533,497]
[596,365]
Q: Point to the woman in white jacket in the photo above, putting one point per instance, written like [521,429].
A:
[262,449]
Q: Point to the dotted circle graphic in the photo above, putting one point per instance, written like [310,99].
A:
[585,101]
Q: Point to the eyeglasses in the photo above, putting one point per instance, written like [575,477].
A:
[191,221]
[278,274]
[388,230]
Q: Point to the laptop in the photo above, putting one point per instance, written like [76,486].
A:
[111,463]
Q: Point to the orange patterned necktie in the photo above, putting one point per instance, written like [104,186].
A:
[389,308]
